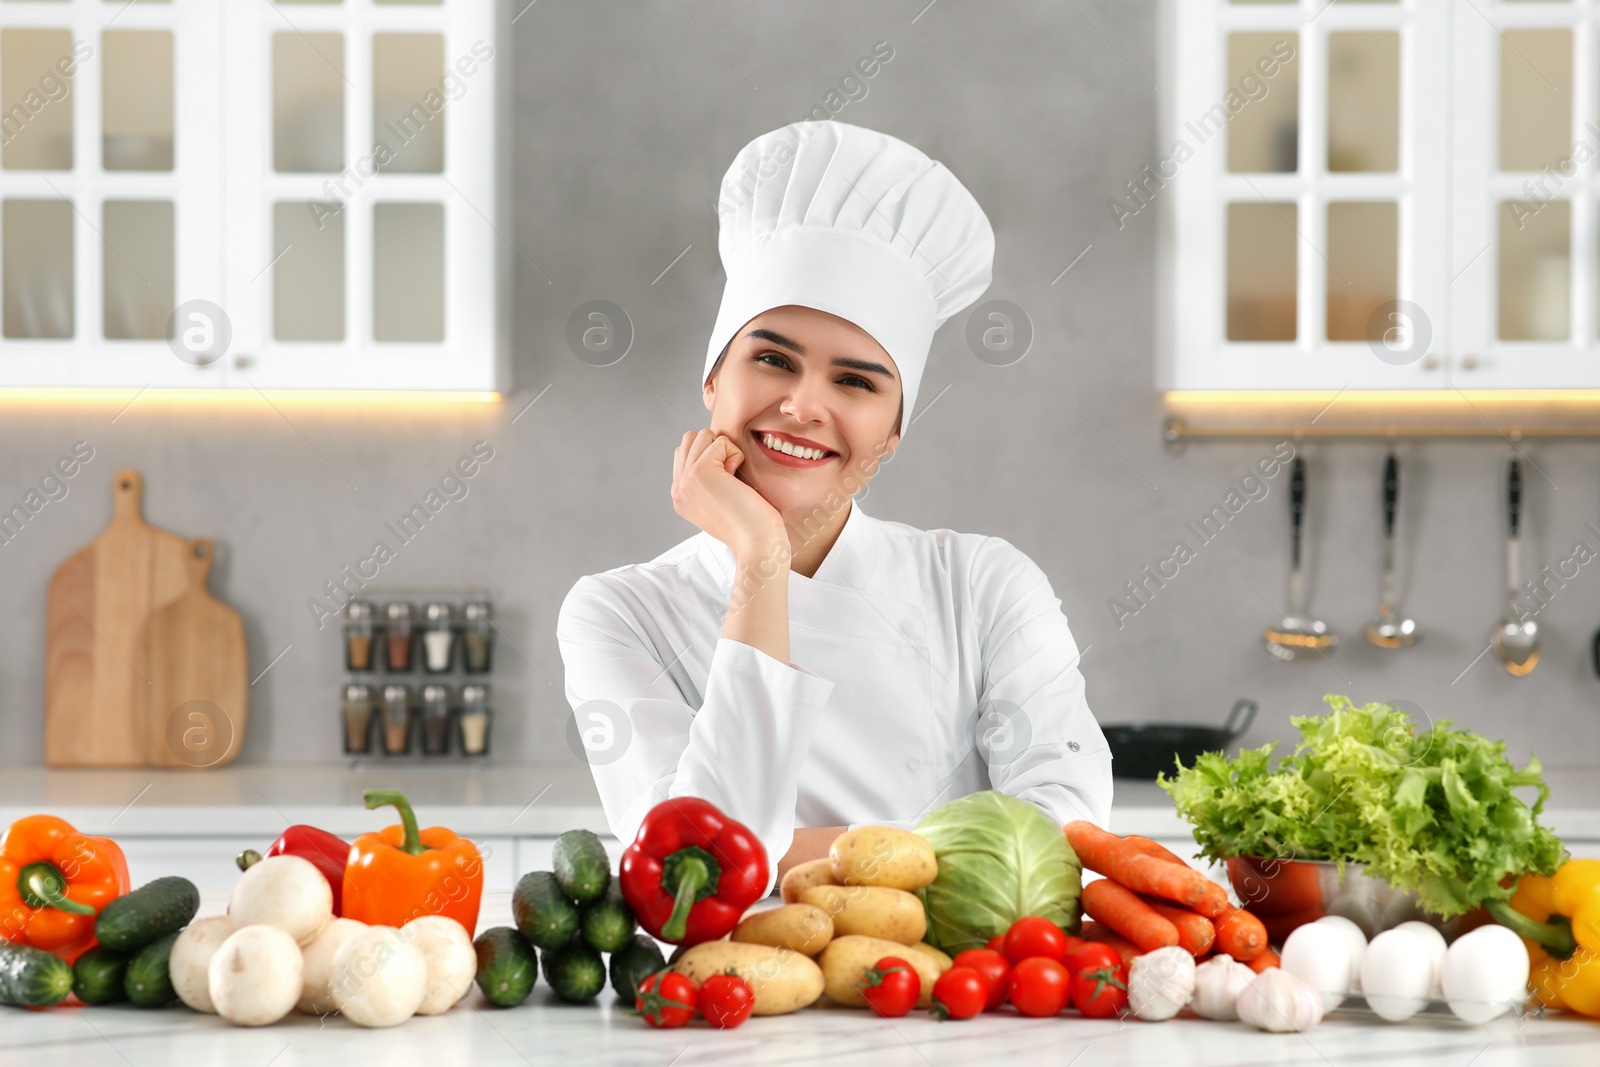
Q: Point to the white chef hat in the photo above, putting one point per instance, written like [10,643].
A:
[856,223]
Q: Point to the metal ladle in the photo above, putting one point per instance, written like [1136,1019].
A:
[1390,629]
[1516,639]
[1297,634]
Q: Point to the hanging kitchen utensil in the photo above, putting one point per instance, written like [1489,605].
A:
[197,702]
[97,603]
[1297,635]
[1145,749]
[1391,629]
[1516,639]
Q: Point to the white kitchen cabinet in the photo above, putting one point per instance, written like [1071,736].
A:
[274,196]
[1375,196]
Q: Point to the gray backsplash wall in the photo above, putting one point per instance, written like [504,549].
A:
[626,115]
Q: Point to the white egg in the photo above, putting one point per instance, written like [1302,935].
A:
[1396,972]
[1485,973]
[1436,948]
[1319,955]
[1358,946]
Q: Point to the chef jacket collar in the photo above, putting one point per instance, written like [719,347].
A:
[849,563]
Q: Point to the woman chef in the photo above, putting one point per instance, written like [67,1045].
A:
[799,664]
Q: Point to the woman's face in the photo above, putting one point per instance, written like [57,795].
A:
[811,400]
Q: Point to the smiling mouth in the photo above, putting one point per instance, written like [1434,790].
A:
[790,453]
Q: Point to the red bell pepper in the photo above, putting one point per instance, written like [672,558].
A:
[321,849]
[692,872]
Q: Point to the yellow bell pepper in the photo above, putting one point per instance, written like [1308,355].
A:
[1558,919]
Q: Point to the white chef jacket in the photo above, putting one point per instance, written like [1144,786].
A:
[927,665]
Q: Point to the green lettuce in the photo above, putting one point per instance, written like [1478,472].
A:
[1430,811]
[1000,858]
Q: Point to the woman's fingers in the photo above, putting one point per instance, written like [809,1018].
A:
[702,440]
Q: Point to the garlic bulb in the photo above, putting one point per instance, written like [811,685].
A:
[1217,985]
[1278,1001]
[1160,983]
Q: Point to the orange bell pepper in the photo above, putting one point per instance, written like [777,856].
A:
[53,882]
[401,873]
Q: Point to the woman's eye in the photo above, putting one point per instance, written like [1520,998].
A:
[773,359]
[855,381]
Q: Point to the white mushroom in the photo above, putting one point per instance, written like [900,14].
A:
[452,962]
[255,976]
[315,996]
[377,978]
[190,963]
[286,892]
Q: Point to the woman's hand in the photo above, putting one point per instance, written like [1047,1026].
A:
[705,491]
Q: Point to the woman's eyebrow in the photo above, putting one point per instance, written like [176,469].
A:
[864,364]
[777,339]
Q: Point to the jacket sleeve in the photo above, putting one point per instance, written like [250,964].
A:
[1037,735]
[741,749]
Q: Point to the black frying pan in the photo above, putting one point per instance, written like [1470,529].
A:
[1144,749]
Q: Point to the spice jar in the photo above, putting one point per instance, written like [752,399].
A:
[358,633]
[474,720]
[396,719]
[397,636]
[438,639]
[358,708]
[475,638]
[435,720]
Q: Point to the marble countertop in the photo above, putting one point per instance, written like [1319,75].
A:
[543,1031]
[478,800]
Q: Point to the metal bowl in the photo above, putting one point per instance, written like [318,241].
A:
[1288,893]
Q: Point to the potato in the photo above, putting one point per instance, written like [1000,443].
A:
[189,965]
[882,856]
[803,876]
[783,980]
[944,961]
[847,959]
[805,928]
[875,911]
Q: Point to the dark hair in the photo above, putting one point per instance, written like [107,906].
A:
[899,416]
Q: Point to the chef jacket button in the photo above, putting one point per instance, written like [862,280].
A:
[913,763]
[1073,745]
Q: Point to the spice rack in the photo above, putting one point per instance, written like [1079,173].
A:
[418,660]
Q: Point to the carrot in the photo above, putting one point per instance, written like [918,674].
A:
[1117,906]
[1151,848]
[1102,934]
[1241,935]
[1196,934]
[1267,959]
[1108,854]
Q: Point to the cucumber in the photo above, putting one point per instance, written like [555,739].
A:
[582,867]
[97,976]
[608,924]
[507,966]
[575,971]
[150,912]
[633,963]
[543,914]
[148,981]
[31,977]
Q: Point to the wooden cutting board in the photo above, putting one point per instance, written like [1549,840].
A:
[197,701]
[97,604]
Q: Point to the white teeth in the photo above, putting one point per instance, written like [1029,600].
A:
[778,444]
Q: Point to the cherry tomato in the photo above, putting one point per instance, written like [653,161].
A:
[1090,955]
[1100,992]
[726,1000]
[994,967]
[666,999]
[1039,986]
[960,993]
[891,987]
[1034,935]
[997,943]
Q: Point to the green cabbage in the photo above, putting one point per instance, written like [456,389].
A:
[1000,858]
